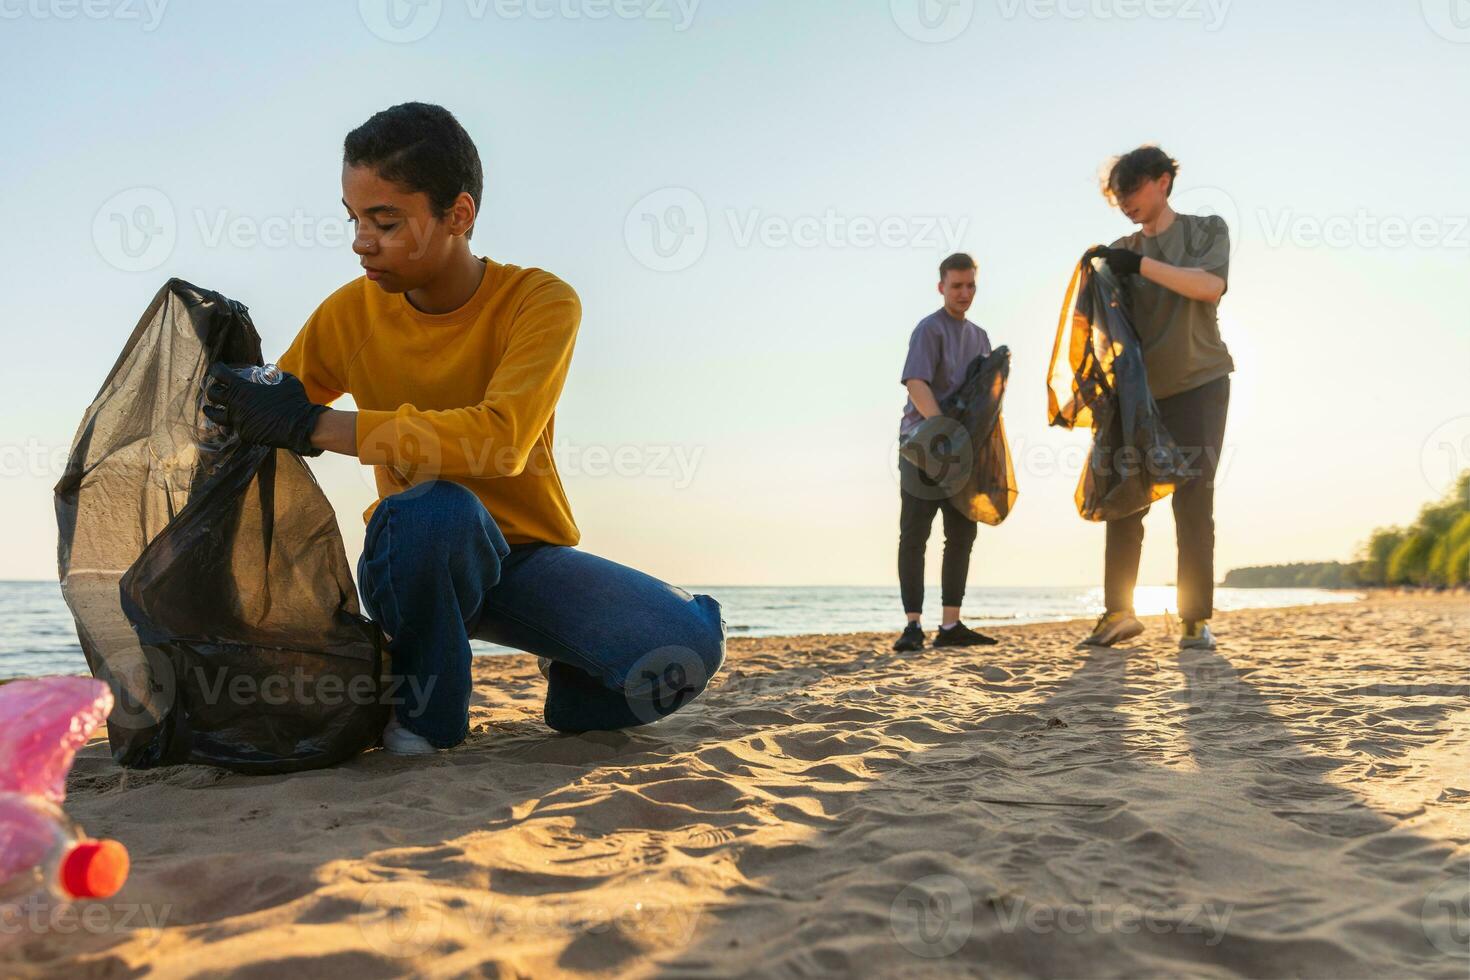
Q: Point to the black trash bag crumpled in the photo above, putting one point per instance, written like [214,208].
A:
[964,449]
[207,577]
[1102,383]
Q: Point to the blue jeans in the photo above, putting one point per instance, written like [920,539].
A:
[435,571]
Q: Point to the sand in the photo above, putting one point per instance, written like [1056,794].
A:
[1296,805]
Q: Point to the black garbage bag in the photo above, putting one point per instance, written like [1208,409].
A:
[964,450]
[1102,383]
[207,577]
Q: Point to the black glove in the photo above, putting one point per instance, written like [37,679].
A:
[277,415]
[1123,262]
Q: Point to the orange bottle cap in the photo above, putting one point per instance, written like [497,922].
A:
[94,869]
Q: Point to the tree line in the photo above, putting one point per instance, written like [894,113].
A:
[1433,552]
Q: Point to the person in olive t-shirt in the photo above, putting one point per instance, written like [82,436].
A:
[1175,269]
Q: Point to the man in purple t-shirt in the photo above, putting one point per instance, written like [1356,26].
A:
[940,349]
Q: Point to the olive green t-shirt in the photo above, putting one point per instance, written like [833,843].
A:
[1182,348]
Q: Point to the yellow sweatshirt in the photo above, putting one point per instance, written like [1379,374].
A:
[467,396]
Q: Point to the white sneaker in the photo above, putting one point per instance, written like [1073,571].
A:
[400,741]
[1197,636]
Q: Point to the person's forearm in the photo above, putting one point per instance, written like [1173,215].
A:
[336,432]
[1190,283]
[923,398]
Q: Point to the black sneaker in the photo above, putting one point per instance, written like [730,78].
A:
[960,635]
[912,639]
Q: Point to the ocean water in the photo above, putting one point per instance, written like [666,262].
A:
[38,635]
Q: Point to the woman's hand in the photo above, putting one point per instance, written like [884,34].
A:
[277,415]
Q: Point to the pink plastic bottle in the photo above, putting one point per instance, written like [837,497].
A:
[43,855]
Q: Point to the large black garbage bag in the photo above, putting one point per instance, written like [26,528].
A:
[207,577]
[964,449]
[1102,383]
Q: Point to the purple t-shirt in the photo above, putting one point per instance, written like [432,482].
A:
[940,348]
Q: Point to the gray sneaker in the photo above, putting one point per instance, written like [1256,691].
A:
[1113,628]
[1197,636]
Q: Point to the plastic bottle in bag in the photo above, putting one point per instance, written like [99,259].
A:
[215,437]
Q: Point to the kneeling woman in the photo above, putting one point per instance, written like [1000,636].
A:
[456,363]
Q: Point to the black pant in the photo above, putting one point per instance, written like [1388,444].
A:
[1196,420]
[921,497]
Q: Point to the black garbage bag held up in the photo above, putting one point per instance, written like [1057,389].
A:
[1102,383]
[964,449]
[207,576]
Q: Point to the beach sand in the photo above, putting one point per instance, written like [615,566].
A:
[1296,805]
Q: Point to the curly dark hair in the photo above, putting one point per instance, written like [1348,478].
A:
[1122,174]
[423,147]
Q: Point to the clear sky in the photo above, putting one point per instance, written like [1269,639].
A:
[804,165]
